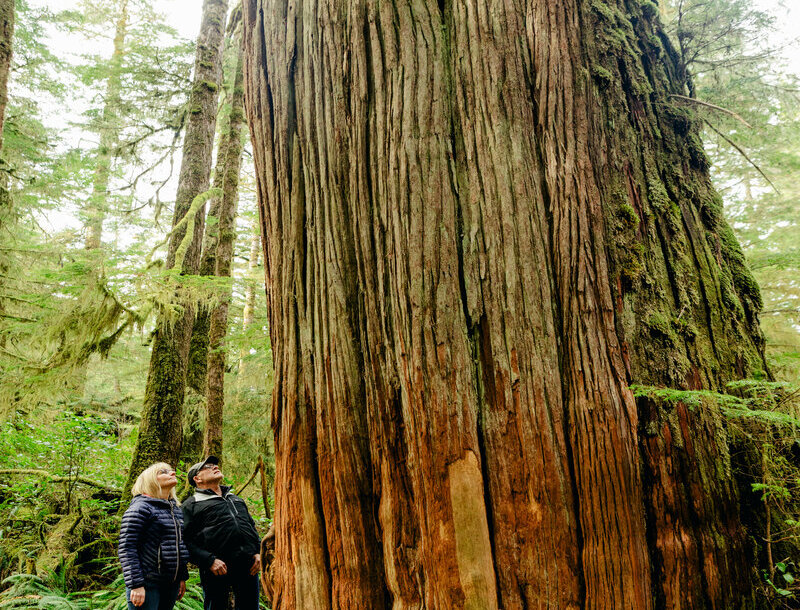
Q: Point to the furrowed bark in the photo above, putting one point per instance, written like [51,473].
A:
[482,224]
[215,380]
[160,431]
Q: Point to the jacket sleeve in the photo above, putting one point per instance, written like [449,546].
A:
[192,534]
[133,523]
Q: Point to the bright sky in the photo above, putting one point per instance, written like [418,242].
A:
[184,15]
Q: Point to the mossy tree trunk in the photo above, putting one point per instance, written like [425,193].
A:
[232,144]
[482,224]
[198,349]
[6,48]
[160,431]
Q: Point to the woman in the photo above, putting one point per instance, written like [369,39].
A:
[151,549]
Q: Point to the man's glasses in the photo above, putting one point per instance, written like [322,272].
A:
[208,467]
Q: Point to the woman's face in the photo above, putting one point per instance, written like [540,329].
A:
[166,478]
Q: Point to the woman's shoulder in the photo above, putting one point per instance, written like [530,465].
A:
[139,506]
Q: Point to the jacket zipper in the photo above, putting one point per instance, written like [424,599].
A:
[236,515]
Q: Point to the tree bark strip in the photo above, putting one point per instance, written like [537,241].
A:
[482,224]
[160,431]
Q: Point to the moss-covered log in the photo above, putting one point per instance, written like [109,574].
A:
[482,224]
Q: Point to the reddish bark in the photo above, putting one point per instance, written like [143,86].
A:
[481,223]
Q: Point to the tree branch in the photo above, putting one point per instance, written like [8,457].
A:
[714,107]
[54,478]
[744,154]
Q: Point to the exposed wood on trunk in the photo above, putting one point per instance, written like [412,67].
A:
[481,225]
[231,143]
[160,431]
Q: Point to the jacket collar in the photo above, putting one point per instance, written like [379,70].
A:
[152,500]
[207,494]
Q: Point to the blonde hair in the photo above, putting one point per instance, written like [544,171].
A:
[147,482]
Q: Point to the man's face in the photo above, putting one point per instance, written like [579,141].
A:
[209,475]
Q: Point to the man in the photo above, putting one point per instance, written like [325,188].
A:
[222,539]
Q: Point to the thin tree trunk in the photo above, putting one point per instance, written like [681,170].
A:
[482,225]
[6,48]
[160,431]
[215,381]
[96,207]
[198,350]
[248,313]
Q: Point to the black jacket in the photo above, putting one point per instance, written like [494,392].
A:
[219,527]
[151,548]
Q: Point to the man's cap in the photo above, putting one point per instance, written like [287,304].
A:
[211,459]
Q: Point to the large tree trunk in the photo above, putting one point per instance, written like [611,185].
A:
[482,224]
[160,431]
[215,379]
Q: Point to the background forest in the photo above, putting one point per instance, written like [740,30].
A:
[98,102]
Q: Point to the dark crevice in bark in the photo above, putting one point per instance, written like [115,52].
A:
[484,374]
[267,86]
[291,115]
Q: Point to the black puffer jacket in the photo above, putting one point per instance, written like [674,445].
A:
[151,547]
[219,527]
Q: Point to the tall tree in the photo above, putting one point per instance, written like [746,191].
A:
[248,313]
[481,227]
[6,40]
[231,143]
[96,206]
[160,431]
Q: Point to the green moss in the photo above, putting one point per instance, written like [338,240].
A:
[680,117]
[649,9]
[656,192]
[628,215]
[207,84]
[603,10]
[603,77]
[631,266]
[697,154]
[659,324]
